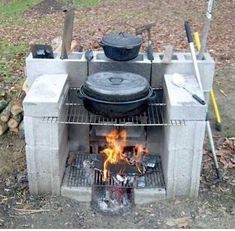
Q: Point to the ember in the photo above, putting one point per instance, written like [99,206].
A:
[115,153]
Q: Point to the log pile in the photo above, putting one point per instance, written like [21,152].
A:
[11,112]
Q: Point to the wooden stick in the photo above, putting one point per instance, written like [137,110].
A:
[15,120]
[31,211]
[3,127]
[6,113]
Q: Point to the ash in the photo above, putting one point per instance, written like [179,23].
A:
[113,200]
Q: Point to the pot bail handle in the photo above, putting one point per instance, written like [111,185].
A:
[117,23]
[115,81]
[122,33]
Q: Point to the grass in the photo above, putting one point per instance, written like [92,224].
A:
[13,10]
[10,56]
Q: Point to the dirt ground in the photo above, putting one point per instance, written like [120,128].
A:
[215,206]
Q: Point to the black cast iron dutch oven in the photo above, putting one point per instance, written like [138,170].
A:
[121,46]
[116,94]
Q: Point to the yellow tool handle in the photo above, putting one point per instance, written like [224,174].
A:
[216,110]
[197,40]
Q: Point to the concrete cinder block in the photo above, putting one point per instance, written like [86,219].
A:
[140,65]
[43,159]
[46,162]
[149,195]
[82,194]
[43,183]
[180,103]
[46,96]
[182,63]
[45,133]
[78,193]
[182,157]
[75,66]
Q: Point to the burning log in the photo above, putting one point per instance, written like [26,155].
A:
[3,127]
[117,154]
[15,121]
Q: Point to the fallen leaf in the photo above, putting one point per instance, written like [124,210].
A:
[183,222]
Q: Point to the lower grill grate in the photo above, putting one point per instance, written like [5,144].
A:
[76,175]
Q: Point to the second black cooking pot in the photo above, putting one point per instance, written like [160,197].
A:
[121,46]
[116,93]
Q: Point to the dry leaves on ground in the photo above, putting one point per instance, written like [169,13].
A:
[226,153]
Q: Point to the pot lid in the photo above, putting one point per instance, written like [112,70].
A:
[121,39]
[116,85]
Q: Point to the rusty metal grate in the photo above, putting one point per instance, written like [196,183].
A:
[77,114]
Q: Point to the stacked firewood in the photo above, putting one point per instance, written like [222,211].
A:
[11,113]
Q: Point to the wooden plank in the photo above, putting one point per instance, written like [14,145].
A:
[167,55]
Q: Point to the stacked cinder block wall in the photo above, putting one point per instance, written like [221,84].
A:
[46,141]
[178,182]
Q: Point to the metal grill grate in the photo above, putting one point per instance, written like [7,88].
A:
[77,114]
[75,176]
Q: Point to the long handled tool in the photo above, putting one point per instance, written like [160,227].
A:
[212,95]
[206,28]
[150,56]
[197,73]
[201,45]
[67,32]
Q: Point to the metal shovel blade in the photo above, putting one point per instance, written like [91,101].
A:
[67,33]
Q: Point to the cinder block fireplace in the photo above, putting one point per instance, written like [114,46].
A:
[62,137]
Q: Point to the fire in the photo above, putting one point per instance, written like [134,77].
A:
[114,153]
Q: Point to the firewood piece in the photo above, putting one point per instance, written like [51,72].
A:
[21,130]
[14,121]
[3,127]
[17,106]
[16,130]
[6,113]
[3,104]
[25,87]
[2,93]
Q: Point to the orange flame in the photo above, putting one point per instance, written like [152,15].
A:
[114,153]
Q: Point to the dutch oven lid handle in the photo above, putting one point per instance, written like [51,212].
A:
[116,81]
